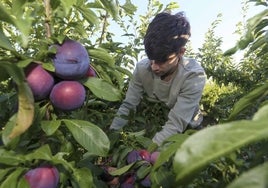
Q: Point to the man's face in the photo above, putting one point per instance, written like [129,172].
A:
[163,68]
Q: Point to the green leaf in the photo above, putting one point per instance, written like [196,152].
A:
[50,127]
[172,6]
[24,63]
[4,173]
[162,178]
[129,7]
[59,159]
[5,15]
[170,150]
[14,71]
[42,153]
[122,170]
[67,5]
[110,6]
[247,100]
[231,51]
[260,28]
[255,178]
[25,113]
[10,158]
[124,71]
[24,25]
[102,89]
[7,130]
[102,55]
[22,182]
[91,137]
[255,20]
[262,113]
[17,7]
[3,74]
[246,40]
[143,170]
[26,110]
[12,179]
[83,177]
[89,15]
[49,67]
[5,43]
[214,142]
[257,44]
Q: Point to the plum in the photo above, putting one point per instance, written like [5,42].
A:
[145,155]
[107,177]
[39,80]
[71,60]
[127,185]
[68,95]
[128,181]
[90,72]
[133,156]
[146,182]
[43,177]
[154,156]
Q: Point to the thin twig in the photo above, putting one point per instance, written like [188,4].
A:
[47,18]
[104,27]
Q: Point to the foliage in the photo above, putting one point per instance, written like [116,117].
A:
[217,101]
[34,133]
[253,67]
[79,143]
[255,36]
[217,66]
[235,135]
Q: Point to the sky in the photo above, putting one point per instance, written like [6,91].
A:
[201,13]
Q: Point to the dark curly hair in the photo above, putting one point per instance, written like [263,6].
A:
[165,35]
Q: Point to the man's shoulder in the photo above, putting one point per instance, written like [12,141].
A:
[191,64]
[143,64]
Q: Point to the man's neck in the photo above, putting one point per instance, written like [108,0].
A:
[167,77]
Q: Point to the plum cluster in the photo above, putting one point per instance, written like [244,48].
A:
[129,179]
[42,177]
[72,63]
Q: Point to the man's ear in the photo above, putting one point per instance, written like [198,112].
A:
[182,51]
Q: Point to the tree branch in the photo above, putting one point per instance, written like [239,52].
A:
[47,18]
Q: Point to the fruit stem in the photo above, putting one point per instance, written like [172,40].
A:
[47,17]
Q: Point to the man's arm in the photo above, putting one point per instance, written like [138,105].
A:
[132,99]
[186,105]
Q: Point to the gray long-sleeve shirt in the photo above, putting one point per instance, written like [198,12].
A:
[181,94]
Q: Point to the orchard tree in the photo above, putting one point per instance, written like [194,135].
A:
[220,92]
[40,131]
[63,128]
[72,147]
[218,67]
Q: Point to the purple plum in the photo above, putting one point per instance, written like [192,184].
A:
[39,80]
[71,60]
[68,95]
[43,177]
[133,156]
[154,156]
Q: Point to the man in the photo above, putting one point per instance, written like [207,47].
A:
[168,76]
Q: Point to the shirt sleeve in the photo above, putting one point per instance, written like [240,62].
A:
[185,107]
[132,99]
